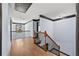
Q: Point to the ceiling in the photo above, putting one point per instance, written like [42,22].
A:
[52,10]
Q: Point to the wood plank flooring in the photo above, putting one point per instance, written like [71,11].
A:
[26,47]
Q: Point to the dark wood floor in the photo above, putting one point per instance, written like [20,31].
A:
[26,47]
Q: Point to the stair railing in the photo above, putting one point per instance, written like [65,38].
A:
[55,48]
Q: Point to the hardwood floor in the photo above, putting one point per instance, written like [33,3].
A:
[26,47]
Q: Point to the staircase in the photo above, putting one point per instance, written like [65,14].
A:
[45,42]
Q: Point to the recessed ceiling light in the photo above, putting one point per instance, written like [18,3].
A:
[22,7]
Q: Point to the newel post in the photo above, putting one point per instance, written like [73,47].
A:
[46,45]
[45,36]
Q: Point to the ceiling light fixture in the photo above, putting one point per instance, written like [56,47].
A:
[22,7]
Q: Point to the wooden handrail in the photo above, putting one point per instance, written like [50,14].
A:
[45,33]
[46,44]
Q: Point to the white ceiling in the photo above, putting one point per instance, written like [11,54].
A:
[51,10]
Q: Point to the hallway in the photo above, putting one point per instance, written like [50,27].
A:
[26,47]
[55,31]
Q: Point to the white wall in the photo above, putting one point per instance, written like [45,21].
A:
[47,25]
[65,34]
[29,26]
[5,30]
